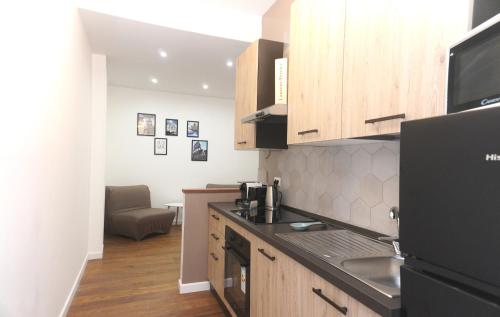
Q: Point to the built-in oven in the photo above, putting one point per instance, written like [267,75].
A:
[237,272]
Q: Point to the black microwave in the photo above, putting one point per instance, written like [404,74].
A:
[474,69]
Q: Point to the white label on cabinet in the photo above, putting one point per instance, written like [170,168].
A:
[243,279]
[280,80]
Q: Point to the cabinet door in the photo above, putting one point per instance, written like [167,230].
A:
[291,285]
[215,251]
[246,97]
[395,61]
[303,293]
[216,265]
[315,70]
[264,280]
[322,298]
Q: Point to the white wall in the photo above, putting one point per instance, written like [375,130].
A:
[44,156]
[130,159]
[98,154]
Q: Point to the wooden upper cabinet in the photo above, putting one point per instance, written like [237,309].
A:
[315,70]
[395,61]
[254,88]
[246,96]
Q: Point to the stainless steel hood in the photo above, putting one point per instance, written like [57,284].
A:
[278,111]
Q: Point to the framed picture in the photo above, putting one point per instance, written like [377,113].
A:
[199,150]
[171,127]
[193,129]
[160,146]
[146,124]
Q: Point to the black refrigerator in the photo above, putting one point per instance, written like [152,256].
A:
[450,215]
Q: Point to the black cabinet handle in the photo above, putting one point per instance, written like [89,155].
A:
[215,217]
[213,256]
[272,258]
[308,131]
[341,309]
[215,236]
[242,142]
[396,116]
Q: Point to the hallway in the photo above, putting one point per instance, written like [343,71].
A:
[139,279]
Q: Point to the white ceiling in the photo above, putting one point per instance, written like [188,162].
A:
[132,51]
[193,59]
[251,7]
[256,7]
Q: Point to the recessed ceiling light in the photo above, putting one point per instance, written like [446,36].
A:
[162,53]
[229,63]
[205,86]
[154,80]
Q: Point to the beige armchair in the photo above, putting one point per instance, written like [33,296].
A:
[128,213]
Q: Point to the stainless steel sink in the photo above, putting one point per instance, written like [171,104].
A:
[382,273]
[369,261]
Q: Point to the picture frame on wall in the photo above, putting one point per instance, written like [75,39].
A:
[146,124]
[172,127]
[193,129]
[199,150]
[160,146]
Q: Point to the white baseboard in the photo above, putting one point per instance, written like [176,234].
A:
[193,287]
[74,288]
[94,255]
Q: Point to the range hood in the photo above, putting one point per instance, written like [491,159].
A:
[274,113]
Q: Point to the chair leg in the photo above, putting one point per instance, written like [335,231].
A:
[177,216]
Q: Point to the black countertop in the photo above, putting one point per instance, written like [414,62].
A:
[378,302]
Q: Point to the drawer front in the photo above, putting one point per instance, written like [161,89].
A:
[326,299]
[215,222]
[217,238]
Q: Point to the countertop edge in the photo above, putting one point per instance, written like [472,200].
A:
[340,279]
[210,190]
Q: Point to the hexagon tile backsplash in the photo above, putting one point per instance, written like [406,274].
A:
[356,184]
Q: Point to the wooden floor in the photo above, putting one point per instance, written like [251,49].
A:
[139,279]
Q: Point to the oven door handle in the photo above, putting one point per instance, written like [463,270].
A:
[232,252]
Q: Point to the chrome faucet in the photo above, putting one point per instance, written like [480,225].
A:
[393,214]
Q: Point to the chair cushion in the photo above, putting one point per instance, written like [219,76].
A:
[138,223]
[138,215]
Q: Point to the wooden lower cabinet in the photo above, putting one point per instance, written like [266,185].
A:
[264,279]
[324,299]
[284,287]
[215,271]
[279,285]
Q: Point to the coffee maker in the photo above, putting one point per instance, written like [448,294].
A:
[253,195]
[273,202]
